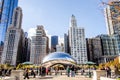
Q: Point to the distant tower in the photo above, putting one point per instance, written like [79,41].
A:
[6,12]
[77,42]
[13,41]
[39,46]
[54,42]
[112,16]
[26,50]
[66,43]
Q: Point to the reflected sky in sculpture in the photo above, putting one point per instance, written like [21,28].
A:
[58,57]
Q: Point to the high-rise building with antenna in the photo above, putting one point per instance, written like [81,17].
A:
[77,42]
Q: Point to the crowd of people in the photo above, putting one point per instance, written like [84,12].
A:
[42,71]
[5,72]
[71,71]
[109,71]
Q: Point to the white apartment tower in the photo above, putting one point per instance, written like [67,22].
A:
[77,42]
[13,40]
[39,46]
[112,16]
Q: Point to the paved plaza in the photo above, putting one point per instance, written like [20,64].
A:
[59,77]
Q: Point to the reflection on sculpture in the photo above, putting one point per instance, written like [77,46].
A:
[58,57]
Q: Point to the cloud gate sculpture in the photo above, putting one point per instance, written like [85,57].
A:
[58,58]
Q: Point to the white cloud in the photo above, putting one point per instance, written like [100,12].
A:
[31,32]
[60,40]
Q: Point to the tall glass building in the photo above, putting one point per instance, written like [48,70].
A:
[6,11]
[54,42]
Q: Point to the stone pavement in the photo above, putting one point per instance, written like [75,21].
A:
[60,77]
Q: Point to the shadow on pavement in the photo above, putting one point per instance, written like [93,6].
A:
[46,77]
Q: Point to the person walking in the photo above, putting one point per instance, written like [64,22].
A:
[82,71]
[108,70]
[33,73]
[117,72]
[46,71]
[72,71]
[26,74]
[68,71]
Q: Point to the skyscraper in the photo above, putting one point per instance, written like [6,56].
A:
[66,43]
[112,16]
[1,51]
[6,12]
[94,49]
[39,46]
[26,48]
[54,42]
[77,42]
[12,52]
[110,47]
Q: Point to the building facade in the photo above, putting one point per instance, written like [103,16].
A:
[39,46]
[13,41]
[66,43]
[26,48]
[7,7]
[110,47]
[1,51]
[77,42]
[112,17]
[94,49]
[54,42]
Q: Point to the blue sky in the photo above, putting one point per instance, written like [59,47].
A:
[55,15]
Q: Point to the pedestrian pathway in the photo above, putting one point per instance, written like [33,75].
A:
[59,77]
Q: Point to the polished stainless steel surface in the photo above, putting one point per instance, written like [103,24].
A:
[58,57]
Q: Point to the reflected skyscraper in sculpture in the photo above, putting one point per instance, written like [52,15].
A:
[58,58]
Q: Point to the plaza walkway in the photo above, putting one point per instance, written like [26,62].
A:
[60,77]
